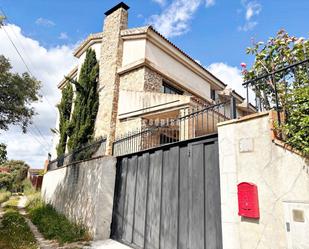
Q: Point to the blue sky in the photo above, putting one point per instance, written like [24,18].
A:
[214,32]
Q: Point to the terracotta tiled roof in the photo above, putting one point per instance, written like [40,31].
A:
[135,31]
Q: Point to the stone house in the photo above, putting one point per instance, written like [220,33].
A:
[143,76]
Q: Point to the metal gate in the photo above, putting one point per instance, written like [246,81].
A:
[169,197]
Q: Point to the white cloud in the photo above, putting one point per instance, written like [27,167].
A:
[175,18]
[210,3]
[63,36]
[44,22]
[247,26]
[161,2]
[231,76]
[252,9]
[49,66]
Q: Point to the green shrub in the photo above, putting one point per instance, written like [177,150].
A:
[28,187]
[292,86]
[15,233]
[54,225]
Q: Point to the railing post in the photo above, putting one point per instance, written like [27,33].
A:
[233,108]
[277,99]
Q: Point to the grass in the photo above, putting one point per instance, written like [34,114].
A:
[34,201]
[4,196]
[15,233]
[54,225]
[11,204]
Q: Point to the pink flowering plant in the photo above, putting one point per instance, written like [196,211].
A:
[292,84]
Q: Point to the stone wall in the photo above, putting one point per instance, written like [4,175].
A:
[84,192]
[153,81]
[248,154]
[133,80]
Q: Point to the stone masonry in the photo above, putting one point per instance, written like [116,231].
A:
[111,57]
[153,81]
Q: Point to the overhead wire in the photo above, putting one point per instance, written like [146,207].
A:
[20,55]
[28,69]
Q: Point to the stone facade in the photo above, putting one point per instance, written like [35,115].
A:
[111,57]
[133,80]
[153,81]
[140,60]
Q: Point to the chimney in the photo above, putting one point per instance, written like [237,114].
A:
[116,19]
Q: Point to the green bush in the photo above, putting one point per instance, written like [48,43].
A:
[291,91]
[297,125]
[28,187]
[54,225]
[15,233]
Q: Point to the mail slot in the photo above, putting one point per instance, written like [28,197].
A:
[248,200]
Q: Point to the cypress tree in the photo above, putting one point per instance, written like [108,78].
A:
[81,127]
[64,108]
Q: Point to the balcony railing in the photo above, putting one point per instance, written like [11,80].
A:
[190,123]
[271,89]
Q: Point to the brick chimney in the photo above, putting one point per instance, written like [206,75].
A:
[116,19]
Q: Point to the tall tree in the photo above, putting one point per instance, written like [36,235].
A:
[17,173]
[64,107]
[17,92]
[292,85]
[86,103]
[3,153]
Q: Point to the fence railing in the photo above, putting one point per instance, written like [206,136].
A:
[271,89]
[189,123]
[93,149]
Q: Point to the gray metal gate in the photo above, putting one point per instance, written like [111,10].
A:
[169,197]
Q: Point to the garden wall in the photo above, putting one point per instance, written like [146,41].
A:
[249,153]
[84,192]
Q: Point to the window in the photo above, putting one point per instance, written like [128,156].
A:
[212,94]
[167,88]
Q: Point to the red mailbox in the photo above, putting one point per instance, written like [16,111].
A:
[248,200]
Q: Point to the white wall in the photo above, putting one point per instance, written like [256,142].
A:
[84,192]
[177,71]
[138,49]
[133,50]
[143,102]
[248,154]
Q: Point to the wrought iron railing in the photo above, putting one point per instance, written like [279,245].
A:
[94,149]
[271,89]
[189,123]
